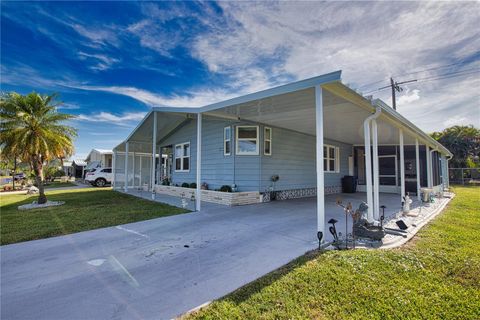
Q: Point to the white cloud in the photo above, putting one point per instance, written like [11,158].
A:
[369,41]
[126,118]
[68,106]
[456,120]
[190,99]
[408,97]
[102,61]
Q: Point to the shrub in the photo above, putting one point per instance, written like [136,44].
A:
[193,185]
[185,185]
[226,188]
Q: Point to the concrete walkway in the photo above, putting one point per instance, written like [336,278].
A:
[159,268]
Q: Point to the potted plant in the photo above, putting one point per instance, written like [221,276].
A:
[274,179]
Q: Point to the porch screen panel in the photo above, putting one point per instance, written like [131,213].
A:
[119,171]
[136,171]
[361,166]
[130,170]
[146,171]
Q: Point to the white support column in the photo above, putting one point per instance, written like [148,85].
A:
[198,197]
[368,170]
[140,171]
[376,178]
[126,167]
[133,169]
[447,176]
[154,151]
[319,162]
[429,166]
[417,166]
[114,167]
[402,165]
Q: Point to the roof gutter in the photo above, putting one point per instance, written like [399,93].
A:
[404,121]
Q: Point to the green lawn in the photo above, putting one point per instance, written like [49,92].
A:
[435,276]
[85,209]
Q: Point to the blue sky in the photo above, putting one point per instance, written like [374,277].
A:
[112,61]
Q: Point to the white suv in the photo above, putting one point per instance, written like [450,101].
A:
[99,177]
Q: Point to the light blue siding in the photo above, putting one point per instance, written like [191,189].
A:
[293,159]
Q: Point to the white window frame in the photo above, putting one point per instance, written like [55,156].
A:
[237,139]
[265,140]
[183,157]
[326,156]
[225,140]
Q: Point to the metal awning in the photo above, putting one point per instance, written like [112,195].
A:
[292,107]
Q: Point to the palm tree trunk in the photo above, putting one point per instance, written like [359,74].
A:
[14,171]
[38,169]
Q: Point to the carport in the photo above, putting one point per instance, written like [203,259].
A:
[322,107]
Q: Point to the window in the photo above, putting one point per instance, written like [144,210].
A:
[182,157]
[267,141]
[107,170]
[330,158]
[247,140]
[227,141]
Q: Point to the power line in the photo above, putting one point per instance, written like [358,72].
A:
[446,74]
[437,77]
[447,77]
[432,69]
[415,72]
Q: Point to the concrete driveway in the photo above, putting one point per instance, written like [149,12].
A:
[160,268]
[154,269]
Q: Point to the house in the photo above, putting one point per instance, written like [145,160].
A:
[309,134]
[67,167]
[99,158]
[79,168]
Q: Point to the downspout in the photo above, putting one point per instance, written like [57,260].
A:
[368,162]
[431,166]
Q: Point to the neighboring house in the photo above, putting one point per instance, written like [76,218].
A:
[309,133]
[99,158]
[68,168]
[79,168]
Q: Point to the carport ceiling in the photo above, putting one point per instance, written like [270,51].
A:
[343,120]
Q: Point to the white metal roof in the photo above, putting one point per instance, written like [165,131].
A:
[80,163]
[291,106]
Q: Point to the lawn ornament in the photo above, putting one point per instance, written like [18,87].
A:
[362,228]
[406,204]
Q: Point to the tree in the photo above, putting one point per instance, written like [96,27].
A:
[463,142]
[32,129]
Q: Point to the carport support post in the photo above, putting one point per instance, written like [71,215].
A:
[376,179]
[198,197]
[114,166]
[126,167]
[320,169]
[402,166]
[427,156]
[133,169]
[368,169]
[154,151]
[417,166]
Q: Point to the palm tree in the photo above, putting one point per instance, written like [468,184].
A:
[31,128]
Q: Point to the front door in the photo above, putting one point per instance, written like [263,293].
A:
[387,169]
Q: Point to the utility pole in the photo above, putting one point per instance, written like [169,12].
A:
[396,87]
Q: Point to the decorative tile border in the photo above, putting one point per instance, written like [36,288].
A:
[299,193]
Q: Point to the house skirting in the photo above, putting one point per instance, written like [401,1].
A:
[224,198]
[298,193]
